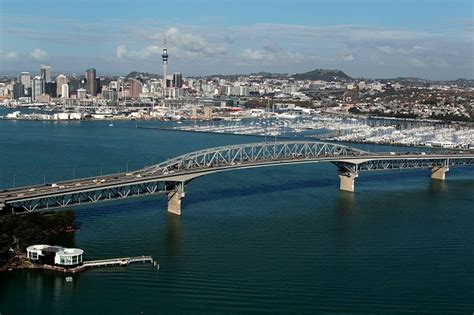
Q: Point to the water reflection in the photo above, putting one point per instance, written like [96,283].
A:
[173,237]
[344,208]
[438,186]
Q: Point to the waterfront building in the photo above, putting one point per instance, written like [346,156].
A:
[91,82]
[60,80]
[64,90]
[46,73]
[54,255]
[208,112]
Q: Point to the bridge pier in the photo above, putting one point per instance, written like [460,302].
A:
[347,181]
[439,172]
[174,199]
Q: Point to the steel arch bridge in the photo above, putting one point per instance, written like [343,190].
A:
[170,176]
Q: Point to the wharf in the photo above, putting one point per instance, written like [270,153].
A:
[124,261]
[111,262]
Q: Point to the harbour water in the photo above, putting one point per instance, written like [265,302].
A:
[279,239]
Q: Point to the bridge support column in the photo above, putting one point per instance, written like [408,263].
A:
[347,181]
[439,172]
[174,199]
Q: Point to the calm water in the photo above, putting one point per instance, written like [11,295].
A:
[280,239]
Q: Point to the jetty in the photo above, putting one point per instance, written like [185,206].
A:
[111,262]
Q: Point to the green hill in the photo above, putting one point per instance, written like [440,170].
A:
[321,74]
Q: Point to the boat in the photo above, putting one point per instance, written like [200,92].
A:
[69,279]
[111,124]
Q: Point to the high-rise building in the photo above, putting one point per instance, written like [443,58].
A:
[46,73]
[177,80]
[18,90]
[136,88]
[60,80]
[91,82]
[37,87]
[65,90]
[25,79]
[50,89]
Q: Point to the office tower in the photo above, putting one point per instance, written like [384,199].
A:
[18,90]
[136,88]
[177,80]
[50,89]
[37,87]
[65,90]
[91,82]
[98,86]
[60,80]
[25,79]
[46,73]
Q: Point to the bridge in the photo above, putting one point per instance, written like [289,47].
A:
[171,176]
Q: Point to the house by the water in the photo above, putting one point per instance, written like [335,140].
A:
[55,255]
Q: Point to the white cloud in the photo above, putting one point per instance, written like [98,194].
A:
[193,45]
[257,55]
[270,52]
[39,54]
[146,53]
[348,57]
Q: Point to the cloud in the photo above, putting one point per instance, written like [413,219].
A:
[348,57]
[257,55]
[270,52]
[147,53]
[415,62]
[39,55]
[9,56]
[193,45]
[389,50]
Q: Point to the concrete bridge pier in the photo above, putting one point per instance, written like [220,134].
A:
[347,181]
[174,198]
[439,172]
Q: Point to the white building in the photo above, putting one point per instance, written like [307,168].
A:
[65,90]
[54,255]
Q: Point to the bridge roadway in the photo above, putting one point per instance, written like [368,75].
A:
[171,176]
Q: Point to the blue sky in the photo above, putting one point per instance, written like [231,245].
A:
[364,38]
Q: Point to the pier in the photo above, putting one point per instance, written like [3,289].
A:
[111,262]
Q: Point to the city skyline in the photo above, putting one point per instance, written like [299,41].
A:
[372,39]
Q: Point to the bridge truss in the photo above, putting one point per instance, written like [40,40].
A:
[253,154]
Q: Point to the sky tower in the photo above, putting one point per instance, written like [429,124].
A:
[165,66]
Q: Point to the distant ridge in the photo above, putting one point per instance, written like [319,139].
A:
[322,74]
[135,74]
